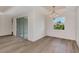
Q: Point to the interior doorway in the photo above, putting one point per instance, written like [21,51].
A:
[22,27]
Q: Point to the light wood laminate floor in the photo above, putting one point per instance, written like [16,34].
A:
[11,44]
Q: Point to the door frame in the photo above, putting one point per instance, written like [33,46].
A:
[15,25]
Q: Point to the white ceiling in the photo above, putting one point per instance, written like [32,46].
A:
[18,10]
[22,9]
[12,9]
[56,7]
[4,8]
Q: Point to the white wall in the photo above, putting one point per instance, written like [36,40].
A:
[77,27]
[36,24]
[69,32]
[14,26]
[5,25]
[30,23]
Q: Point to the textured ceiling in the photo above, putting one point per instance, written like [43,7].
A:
[4,8]
[56,7]
[15,10]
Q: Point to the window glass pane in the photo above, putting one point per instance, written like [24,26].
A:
[59,23]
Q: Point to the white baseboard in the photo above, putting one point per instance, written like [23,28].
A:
[60,37]
[77,43]
[37,38]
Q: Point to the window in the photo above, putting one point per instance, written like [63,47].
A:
[59,23]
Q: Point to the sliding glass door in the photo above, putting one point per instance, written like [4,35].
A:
[22,27]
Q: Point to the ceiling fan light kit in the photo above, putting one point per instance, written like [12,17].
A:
[52,12]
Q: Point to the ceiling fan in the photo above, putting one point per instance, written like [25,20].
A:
[54,11]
